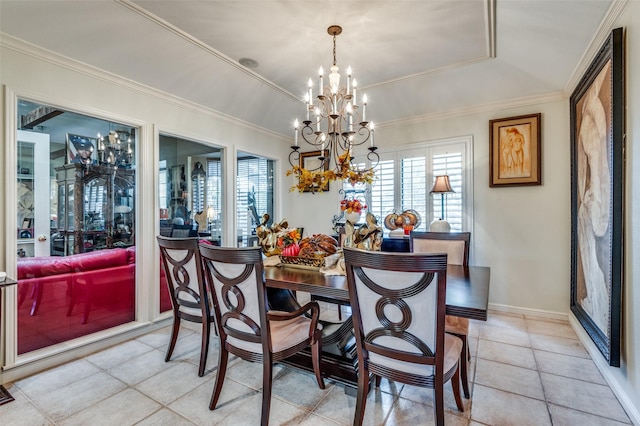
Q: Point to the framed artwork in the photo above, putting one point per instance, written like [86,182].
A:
[81,149]
[514,151]
[315,161]
[597,197]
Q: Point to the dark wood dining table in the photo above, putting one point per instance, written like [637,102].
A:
[467,296]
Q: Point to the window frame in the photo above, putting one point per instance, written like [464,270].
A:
[428,149]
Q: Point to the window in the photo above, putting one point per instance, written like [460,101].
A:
[254,192]
[404,179]
[214,197]
[162,185]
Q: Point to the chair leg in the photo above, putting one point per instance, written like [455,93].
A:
[316,353]
[174,337]
[222,370]
[378,381]
[438,412]
[464,365]
[455,384]
[267,379]
[361,401]
[204,349]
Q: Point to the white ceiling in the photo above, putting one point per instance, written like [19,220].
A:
[413,58]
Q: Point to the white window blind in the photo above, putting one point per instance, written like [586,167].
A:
[382,190]
[254,183]
[162,184]
[413,193]
[450,164]
[214,187]
[404,179]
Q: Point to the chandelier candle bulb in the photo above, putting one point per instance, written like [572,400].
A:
[321,86]
[295,133]
[355,83]
[348,80]
[371,128]
[311,92]
[364,108]
[307,107]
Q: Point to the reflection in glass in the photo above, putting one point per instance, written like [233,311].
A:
[189,193]
[77,275]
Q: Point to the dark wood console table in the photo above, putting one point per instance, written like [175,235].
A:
[5,396]
[467,296]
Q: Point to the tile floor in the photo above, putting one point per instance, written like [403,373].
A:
[525,371]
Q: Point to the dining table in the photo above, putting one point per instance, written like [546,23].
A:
[467,296]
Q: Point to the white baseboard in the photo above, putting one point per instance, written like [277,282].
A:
[625,400]
[538,313]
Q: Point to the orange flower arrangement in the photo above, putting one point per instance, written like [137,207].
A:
[352,206]
[291,236]
[316,180]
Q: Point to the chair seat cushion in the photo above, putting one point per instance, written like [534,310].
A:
[452,350]
[284,334]
[456,325]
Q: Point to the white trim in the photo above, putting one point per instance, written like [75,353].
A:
[39,361]
[627,403]
[603,32]
[9,42]
[529,312]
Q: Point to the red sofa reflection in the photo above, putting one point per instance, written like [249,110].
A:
[62,298]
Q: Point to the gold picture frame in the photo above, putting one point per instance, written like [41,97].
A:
[515,151]
[316,162]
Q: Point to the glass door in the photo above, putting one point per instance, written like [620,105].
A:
[33,199]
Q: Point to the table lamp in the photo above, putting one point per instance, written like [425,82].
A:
[441,186]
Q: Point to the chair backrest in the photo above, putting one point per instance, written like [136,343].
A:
[235,278]
[455,244]
[187,287]
[183,231]
[398,308]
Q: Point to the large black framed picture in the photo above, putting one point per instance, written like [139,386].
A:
[597,197]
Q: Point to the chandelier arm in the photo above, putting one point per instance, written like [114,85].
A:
[294,156]
[335,124]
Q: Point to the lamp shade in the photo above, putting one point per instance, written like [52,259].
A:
[441,185]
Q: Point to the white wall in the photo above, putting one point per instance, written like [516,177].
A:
[29,73]
[522,233]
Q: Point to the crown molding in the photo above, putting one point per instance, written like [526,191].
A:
[479,108]
[37,52]
[606,25]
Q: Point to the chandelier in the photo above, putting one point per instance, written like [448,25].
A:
[335,124]
[115,150]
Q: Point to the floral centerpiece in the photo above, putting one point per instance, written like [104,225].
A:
[288,242]
[352,206]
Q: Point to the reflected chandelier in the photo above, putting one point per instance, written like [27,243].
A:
[334,112]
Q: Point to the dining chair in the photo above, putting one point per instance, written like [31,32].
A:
[456,245]
[190,297]
[246,328]
[398,307]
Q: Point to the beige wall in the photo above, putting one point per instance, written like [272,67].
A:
[523,233]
